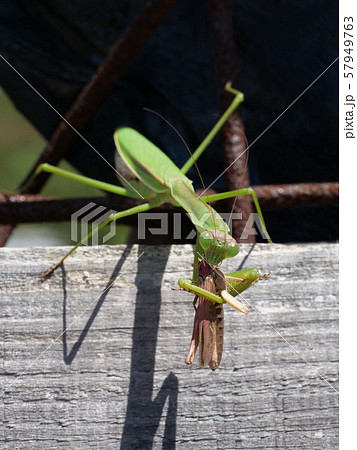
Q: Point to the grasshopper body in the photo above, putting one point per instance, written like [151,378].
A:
[208,326]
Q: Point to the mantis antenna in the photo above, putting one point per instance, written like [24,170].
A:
[187,147]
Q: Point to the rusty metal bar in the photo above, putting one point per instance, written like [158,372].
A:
[86,105]
[28,208]
[274,197]
[233,136]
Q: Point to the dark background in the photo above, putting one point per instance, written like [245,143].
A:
[282,47]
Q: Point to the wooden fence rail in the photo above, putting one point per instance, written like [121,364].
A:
[94,356]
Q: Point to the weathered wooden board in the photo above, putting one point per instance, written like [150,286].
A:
[94,356]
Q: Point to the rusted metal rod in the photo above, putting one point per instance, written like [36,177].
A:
[274,197]
[233,135]
[28,208]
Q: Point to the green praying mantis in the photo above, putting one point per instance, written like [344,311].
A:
[148,173]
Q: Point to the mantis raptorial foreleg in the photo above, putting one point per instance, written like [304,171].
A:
[235,283]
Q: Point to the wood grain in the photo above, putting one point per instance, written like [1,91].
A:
[94,356]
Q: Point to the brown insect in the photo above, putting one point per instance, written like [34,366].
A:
[208,325]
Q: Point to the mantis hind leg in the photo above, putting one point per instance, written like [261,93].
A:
[111,218]
[244,191]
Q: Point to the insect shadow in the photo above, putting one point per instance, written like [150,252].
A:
[242,263]
[69,357]
[143,413]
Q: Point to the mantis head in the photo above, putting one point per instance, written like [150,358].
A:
[218,246]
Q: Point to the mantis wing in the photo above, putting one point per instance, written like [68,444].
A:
[146,162]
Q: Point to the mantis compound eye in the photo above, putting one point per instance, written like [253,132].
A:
[206,240]
[232,250]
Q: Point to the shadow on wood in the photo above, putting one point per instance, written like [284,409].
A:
[68,357]
[118,379]
[143,413]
